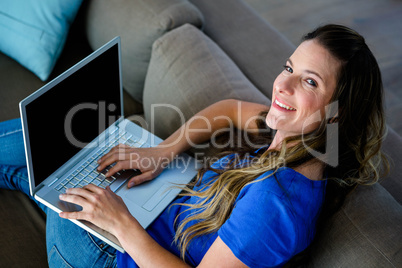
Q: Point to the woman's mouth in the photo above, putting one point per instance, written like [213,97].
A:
[281,105]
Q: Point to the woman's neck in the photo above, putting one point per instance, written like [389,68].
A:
[312,169]
[278,139]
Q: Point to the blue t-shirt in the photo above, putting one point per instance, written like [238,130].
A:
[273,219]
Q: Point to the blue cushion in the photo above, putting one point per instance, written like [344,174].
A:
[34,32]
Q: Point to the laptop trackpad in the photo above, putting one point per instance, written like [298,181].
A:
[148,199]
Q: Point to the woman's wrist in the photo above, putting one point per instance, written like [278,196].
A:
[125,223]
[169,151]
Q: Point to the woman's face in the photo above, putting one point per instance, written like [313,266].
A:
[301,92]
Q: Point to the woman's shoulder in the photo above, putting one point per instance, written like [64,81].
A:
[284,182]
[274,214]
[313,170]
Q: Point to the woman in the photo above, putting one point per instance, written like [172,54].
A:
[252,207]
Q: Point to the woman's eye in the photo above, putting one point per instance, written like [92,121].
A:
[311,82]
[288,69]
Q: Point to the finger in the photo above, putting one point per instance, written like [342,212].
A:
[87,194]
[74,199]
[120,165]
[143,177]
[93,188]
[109,190]
[77,215]
[84,192]
[121,148]
[128,161]
[112,158]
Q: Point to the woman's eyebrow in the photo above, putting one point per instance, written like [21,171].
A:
[307,71]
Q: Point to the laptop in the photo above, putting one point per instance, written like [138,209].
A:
[75,119]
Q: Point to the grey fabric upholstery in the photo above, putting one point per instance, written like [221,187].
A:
[366,232]
[188,71]
[22,232]
[139,23]
[257,48]
[16,84]
[392,147]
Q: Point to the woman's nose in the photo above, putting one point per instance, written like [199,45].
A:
[286,85]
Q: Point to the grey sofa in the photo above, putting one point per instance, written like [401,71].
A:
[190,54]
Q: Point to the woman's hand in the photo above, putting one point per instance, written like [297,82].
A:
[100,206]
[150,161]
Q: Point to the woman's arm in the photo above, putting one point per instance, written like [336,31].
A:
[146,252]
[201,127]
[107,210]
[221,115]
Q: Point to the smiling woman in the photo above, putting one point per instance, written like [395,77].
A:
[256,207]
[305,86]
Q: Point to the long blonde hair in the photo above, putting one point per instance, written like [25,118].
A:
[360,158]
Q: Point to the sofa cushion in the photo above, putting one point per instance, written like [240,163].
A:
[392,147]
[188,72]
[22,232]
[366,232]
[251,42]
[139,23]
[18,82]
[34,32]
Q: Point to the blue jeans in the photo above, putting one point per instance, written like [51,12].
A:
[67,244]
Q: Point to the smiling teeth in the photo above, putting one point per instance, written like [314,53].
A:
[284,106]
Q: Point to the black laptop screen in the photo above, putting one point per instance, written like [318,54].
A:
[73,113]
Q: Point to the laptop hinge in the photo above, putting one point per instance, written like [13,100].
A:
[37,189]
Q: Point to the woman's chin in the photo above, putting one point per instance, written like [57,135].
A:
[272,121]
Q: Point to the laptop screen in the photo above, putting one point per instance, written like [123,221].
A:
[74,112]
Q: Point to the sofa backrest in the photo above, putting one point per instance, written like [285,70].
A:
[139,24]
[365,232]
[257,48]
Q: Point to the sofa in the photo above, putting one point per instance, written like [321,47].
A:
[189,54]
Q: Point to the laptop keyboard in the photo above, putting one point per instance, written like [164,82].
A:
[87,173]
